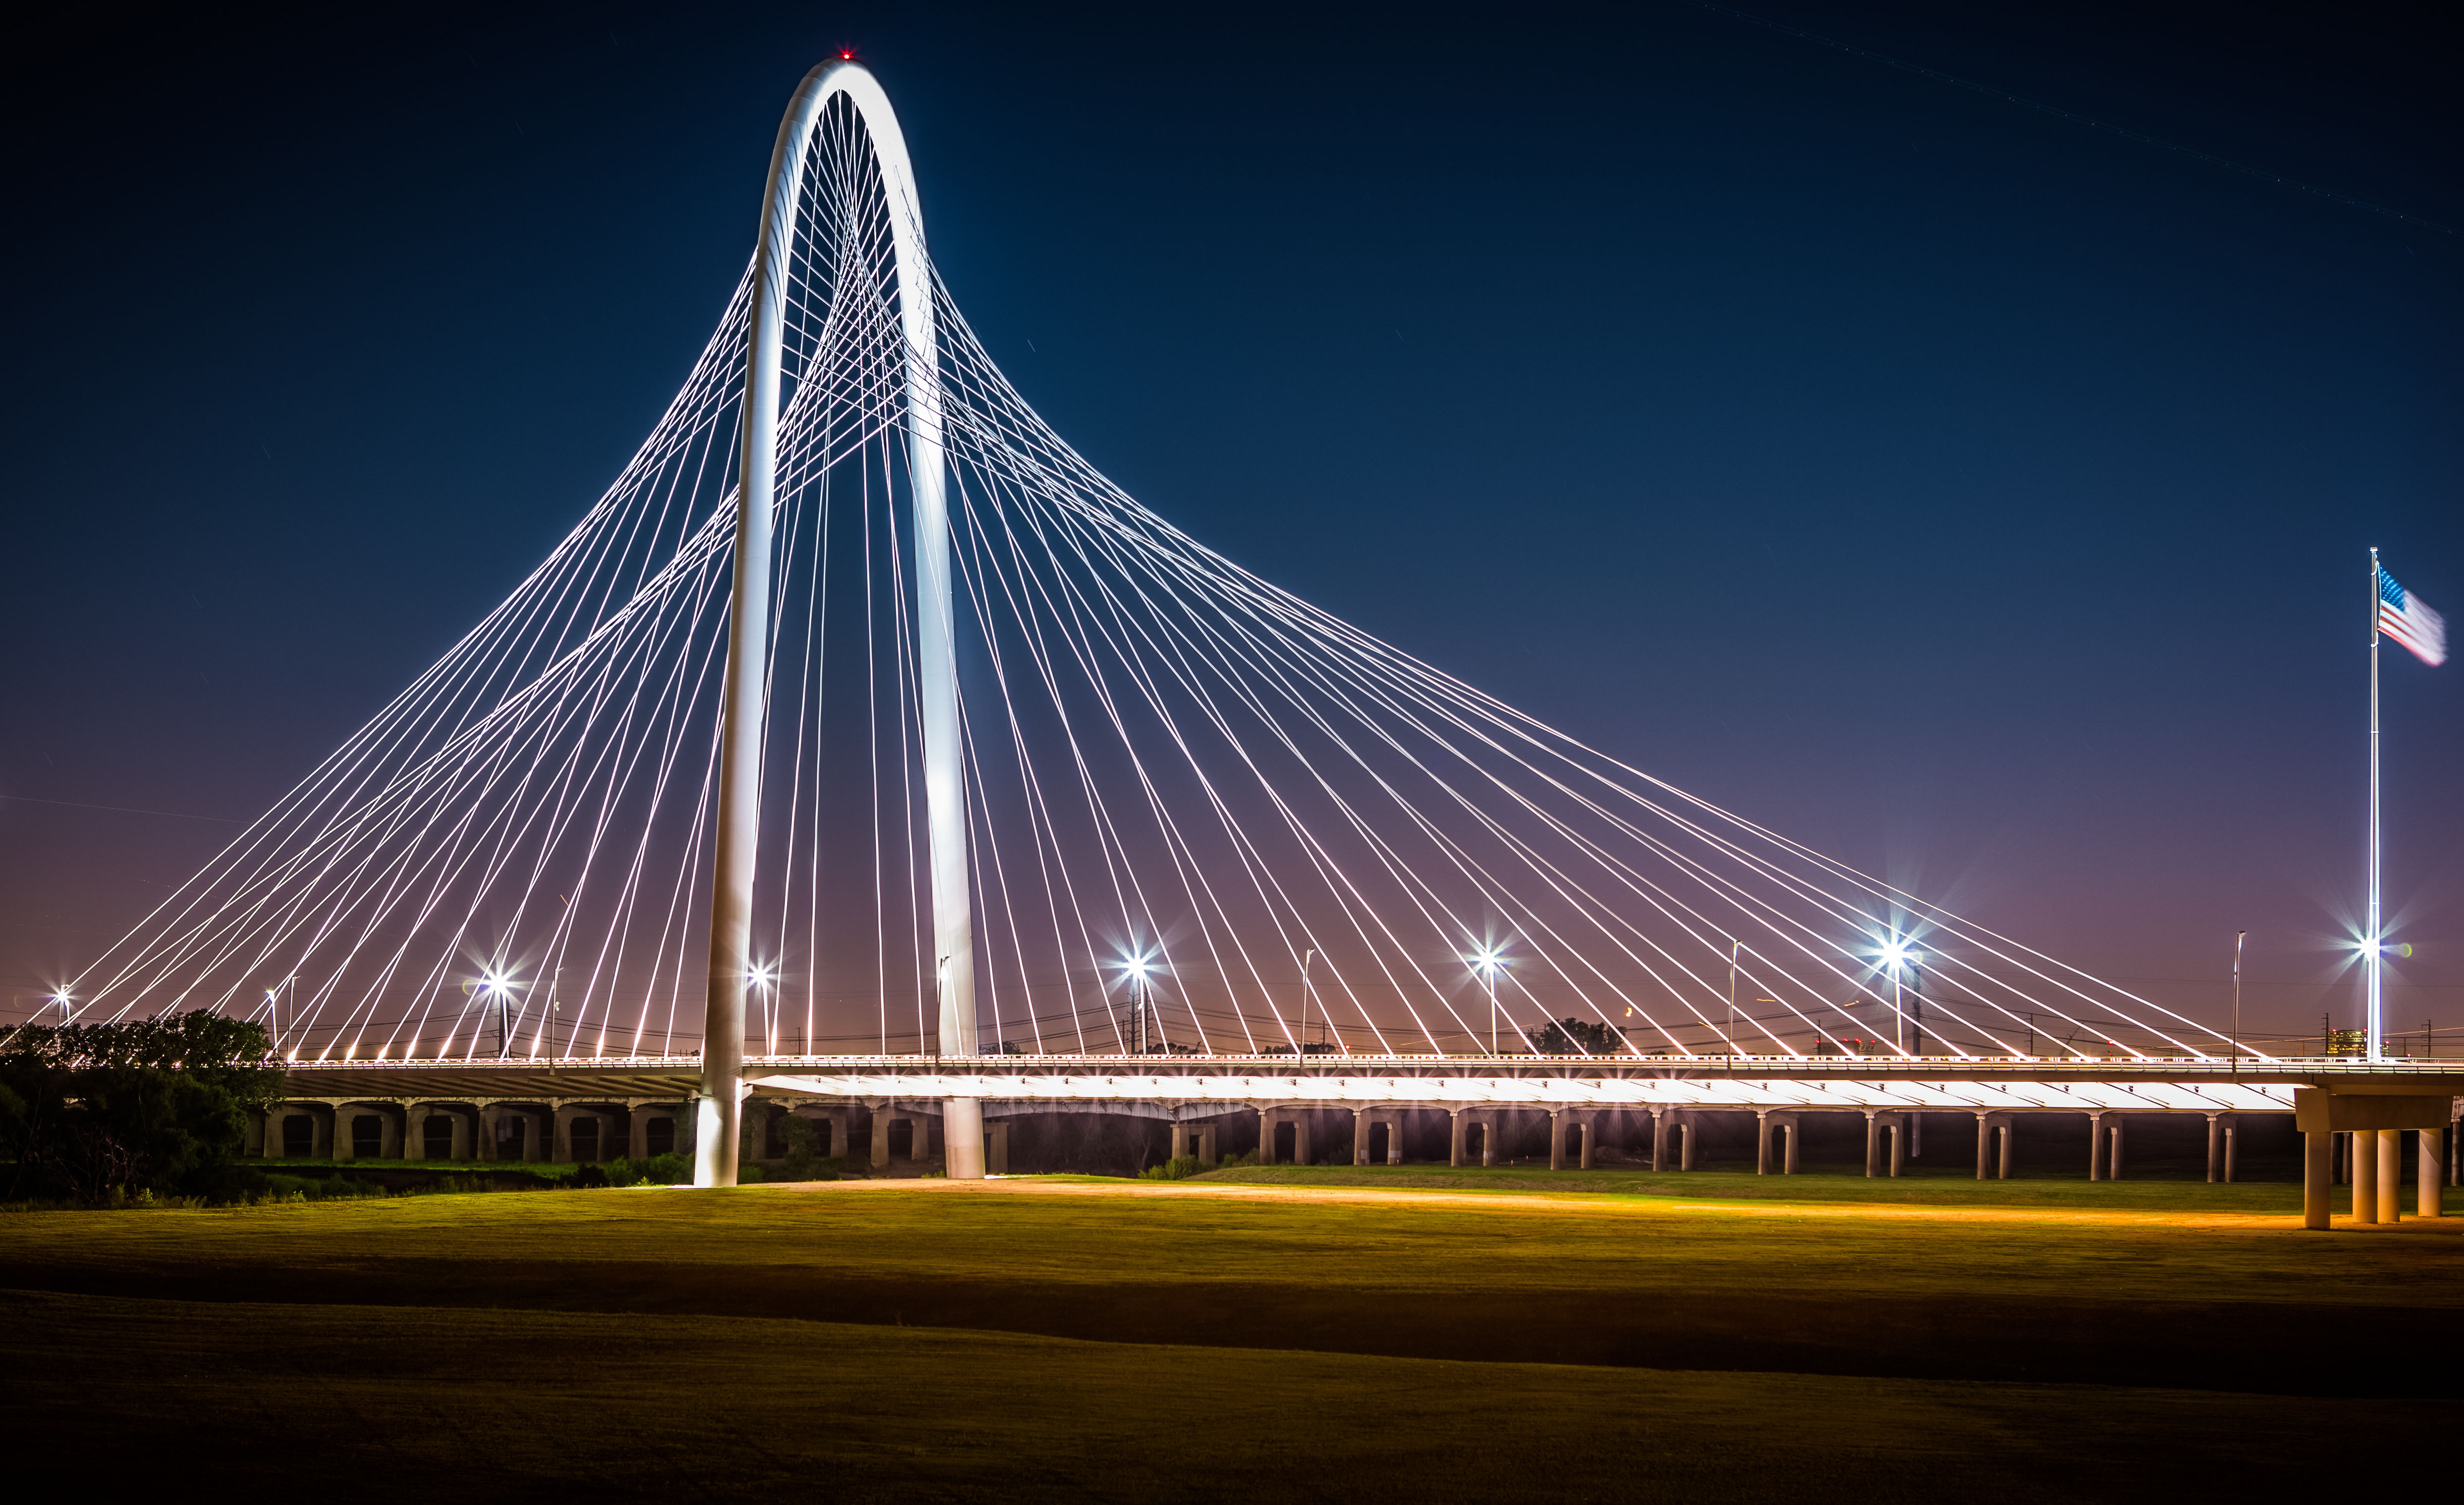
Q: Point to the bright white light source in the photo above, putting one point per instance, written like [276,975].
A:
[1489,961]
[1139,966]
[762,974]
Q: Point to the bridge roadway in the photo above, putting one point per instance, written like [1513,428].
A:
[488,1109]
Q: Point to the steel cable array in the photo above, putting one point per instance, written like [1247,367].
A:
[1190,794]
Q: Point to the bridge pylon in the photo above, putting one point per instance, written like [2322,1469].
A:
[744,700]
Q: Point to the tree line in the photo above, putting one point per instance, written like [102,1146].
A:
[98,1111]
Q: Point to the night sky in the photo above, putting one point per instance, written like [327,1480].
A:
[1971,493]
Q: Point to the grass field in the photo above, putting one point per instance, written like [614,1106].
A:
[1273,1337]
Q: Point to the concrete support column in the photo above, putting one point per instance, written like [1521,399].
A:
[1488,1120]
[2390,1174]
[1180,1139]
[1984,1143]
[1590,1129]
[1898,1147]
[1556,1139]
[414,1132]
[2096,1146]
[2232,1140]
[919,1138]
[2215,1147]
[1685,1131]
[962,1139]
[2318,1167]
[2427,1186]
[1658,1139]
[489,1117]
[1873,1143]
[997,1147]
[345,1144]
[1455,1128]
[275,1117]
[1788,1165]
[1206,1155]
[881,1137]
[1762,1141]
[320,1133]
[2116,1143]
[1360,1136]
[2010,1138]
[458,1147]
[2366,1175]
[637,1137]
[388,1134]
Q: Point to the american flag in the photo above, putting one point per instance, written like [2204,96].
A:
[2408,620]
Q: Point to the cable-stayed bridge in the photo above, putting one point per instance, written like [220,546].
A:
[864,744]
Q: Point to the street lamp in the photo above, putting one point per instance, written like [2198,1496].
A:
[1141,997]
[1897,954]
[1489,961]
[501,987]
[760,977]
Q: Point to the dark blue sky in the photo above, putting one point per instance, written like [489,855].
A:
[1970,493]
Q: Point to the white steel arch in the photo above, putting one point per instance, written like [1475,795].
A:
[742,705]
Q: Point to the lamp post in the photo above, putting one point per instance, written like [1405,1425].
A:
[1895,954]
[2238,937]
[1138,968]
[1307,957]
[1489,961]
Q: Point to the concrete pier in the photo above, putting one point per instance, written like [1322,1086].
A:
[1989,1165]
[2390,1152]
[2366,1175]
[1885,1141]
[1269,1121]
[1783,1122]
[2429,1146]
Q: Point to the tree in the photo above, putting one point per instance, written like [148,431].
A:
[160,1104]
[1575,1037]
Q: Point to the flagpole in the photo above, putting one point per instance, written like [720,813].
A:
[2373,960]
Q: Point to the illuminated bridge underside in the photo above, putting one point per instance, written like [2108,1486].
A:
[1079,1083]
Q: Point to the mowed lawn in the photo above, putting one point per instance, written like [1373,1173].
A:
[1059,1339]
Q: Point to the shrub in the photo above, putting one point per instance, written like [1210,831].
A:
[673,1169]
[1180,1167]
